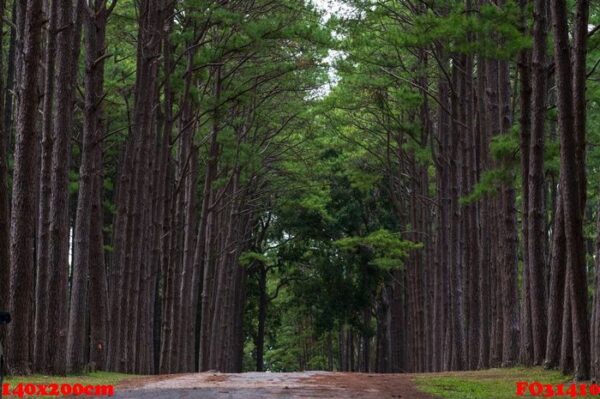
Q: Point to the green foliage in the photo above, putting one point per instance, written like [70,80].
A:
[362,180]
[249,257]
[389,249]
[489,183]
[552,157]
[73,182]
[504,147]
[421,153]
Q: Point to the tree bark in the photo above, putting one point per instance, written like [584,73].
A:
[557,287]
[134,217]
[595,338]
[206,231]
[579,58]
[526,353]
[485,237]
[23,202]
[510,333]
[59,218]
[262,316]
[98,291]
[89,216]
[4,193]
[536,211]
[570,175]
[43,223]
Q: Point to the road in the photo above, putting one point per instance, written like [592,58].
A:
[271,386]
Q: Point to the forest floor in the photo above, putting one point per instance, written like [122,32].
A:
[312,384]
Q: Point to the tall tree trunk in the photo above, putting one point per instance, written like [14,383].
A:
[133,212]
[493,120]
[526,353]
[595,338]
[164,215]
[536,211]
[472,234]
[4,192]
[188,177]
[456,331]
[556,290]
[485,234]
[206,231]
[43,225]
[570,175]
[9,97]
[89,214]
[579,58]
[566,349]
[510,333]
[262,316]
[23,205]
[59,219]
[98,291]
[580,38]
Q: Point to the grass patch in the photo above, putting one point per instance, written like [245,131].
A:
[96,378]
[99,378]
[485,384]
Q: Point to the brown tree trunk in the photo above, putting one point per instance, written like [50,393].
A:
[566,349]
[89,215]
[9,95]
[206,232]
[184,315]
[454,255]
[4,193]
[164,216]
[442,303]
[43,224]
[485,209]
[570,175]
[98,291]
[579,57]
[23,205]
[510,333]
[262,316]
[472,242]
[536,211]
[493,120]
[59,218]
[366,344]
[556,290]
[595,338]
[134,209]
[526,352]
